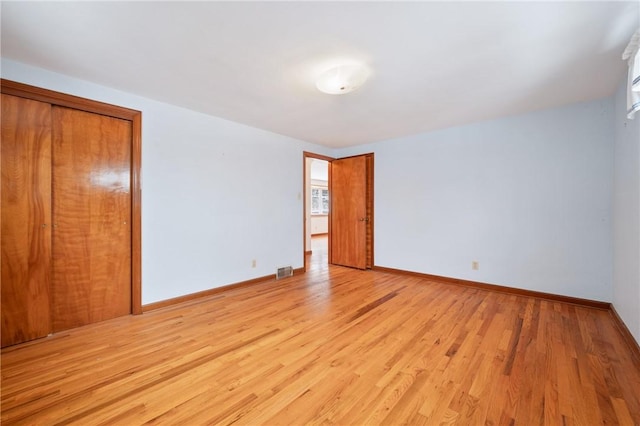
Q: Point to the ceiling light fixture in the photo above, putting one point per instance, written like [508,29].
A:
[342,79]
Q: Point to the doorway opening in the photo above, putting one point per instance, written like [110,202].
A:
[316,211]
[338,204]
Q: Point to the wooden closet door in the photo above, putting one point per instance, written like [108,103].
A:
[26,219]
[92,218]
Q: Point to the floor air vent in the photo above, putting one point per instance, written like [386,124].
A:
[285,272]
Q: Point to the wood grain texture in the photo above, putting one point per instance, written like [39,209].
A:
[136,214]
[62,99]
[633,345]
[370,213]
[494,287]
[92,218]
[348,210]
[210,292]
[26,219]
[333,346]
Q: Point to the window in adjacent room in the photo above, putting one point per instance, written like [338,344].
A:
[319,200]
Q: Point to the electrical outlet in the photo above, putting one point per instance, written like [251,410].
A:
[253,263]
[475,265]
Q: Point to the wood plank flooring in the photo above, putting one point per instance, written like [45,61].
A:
[332,346]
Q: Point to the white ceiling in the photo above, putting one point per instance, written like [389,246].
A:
[434,64]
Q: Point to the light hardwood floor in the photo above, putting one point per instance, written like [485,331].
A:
[332,346]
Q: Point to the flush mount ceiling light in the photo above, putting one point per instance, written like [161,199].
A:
[342,79]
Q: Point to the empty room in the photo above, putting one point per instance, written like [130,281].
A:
[320,212]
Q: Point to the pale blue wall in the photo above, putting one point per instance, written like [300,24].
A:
[626,215]
[528,197]
[215,194]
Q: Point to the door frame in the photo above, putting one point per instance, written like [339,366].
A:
[370,185]
[305,155]
[9,87]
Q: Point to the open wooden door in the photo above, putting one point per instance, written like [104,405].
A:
[352,212]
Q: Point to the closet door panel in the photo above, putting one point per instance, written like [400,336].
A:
[26,219]
[92,218]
